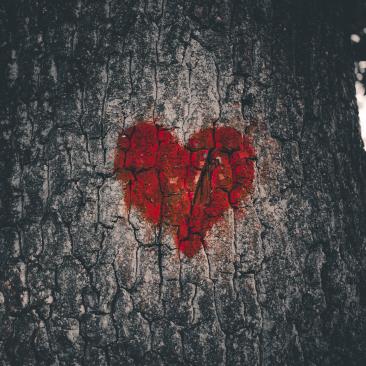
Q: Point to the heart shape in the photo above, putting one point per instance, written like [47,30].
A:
[189,188]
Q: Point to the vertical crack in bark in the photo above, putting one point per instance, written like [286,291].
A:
[114,302]
[261,324]
[157,61]
[102,116]
[192,304]
[218,92]
[81,125]
[190,70]
[130,74]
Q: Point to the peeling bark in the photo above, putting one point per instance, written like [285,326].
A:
[82,282]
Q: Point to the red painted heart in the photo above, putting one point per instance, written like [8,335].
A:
[189,188]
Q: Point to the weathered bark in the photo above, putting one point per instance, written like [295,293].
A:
[81,282]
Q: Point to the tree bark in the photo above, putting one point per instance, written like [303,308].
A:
[84,283]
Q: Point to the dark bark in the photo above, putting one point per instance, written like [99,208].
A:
[82,283]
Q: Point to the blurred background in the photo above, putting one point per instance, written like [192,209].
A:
[358,42]
[359,50]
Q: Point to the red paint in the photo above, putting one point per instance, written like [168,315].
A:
[189,187]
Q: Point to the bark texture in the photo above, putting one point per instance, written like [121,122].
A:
[84,283]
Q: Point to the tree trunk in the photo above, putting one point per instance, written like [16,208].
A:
[85,280]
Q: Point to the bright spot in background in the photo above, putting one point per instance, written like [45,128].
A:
[355,38]
[361,102]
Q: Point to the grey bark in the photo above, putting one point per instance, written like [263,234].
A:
[81,283]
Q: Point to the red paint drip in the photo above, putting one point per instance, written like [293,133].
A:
[188,188]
